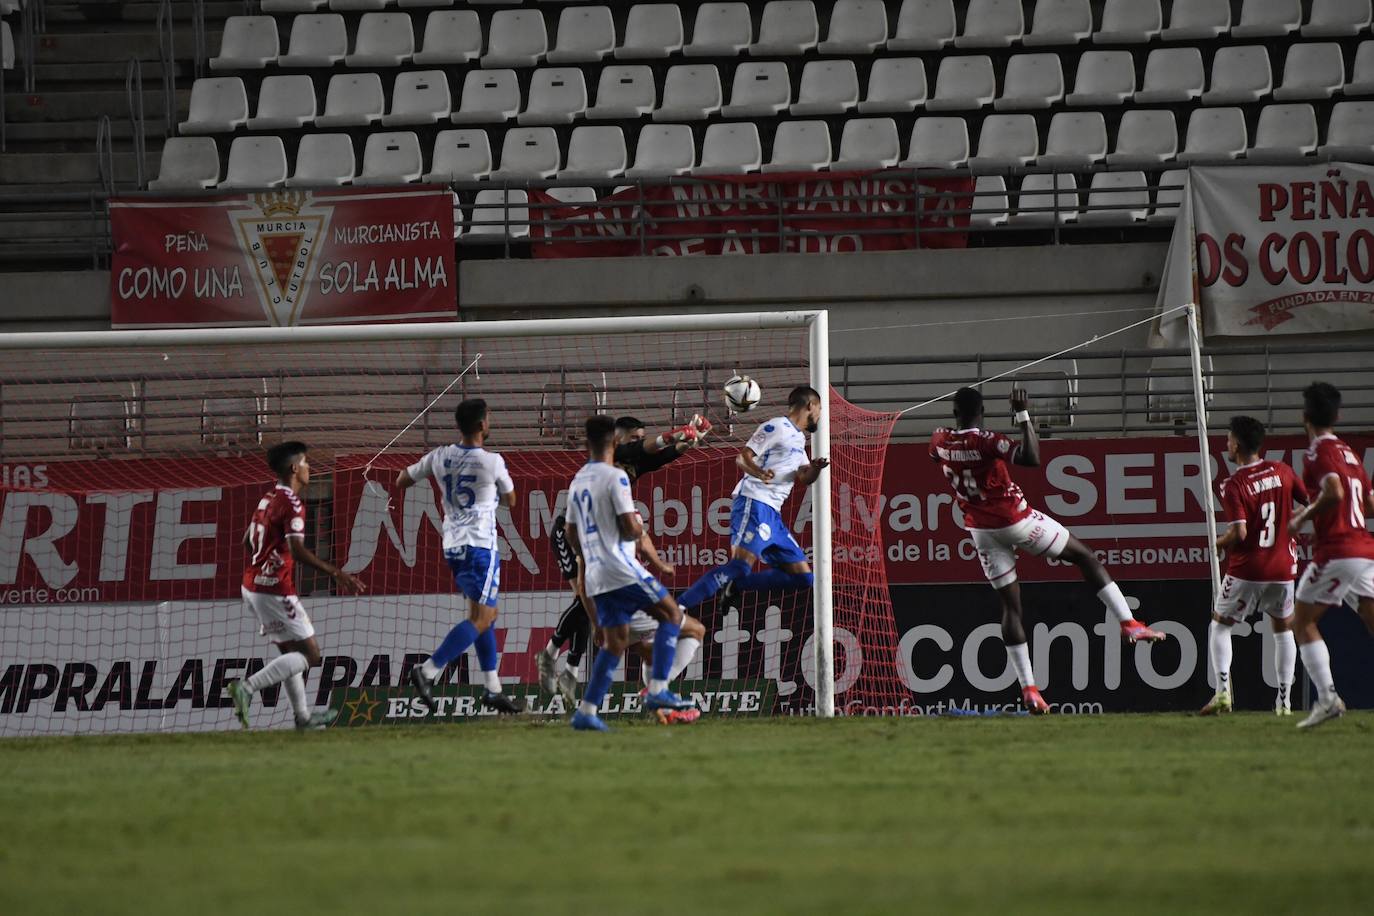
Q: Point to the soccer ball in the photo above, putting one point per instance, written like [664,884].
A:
[742,393]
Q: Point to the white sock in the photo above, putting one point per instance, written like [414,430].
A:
[1219,648]
[682,656]
[551,650]
[573,668]
[295,692]
[657,686]
[1020,661]
[277,670]
[1285,660]
[587,709]
[493,680]
[430,670]
[1317,660]
[1115,601]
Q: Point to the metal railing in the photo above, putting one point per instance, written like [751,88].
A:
[138,126]
[167,58]
[200,55]
[104,154]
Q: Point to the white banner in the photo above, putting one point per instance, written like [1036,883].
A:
[1271,250]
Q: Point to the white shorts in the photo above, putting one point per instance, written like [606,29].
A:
[642,627]
[281,618]
[1329,582]
[1036,534]
[1240,598]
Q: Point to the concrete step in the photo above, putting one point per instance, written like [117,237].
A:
[91,75]
[96,47]
[114,14]
[89,106]
[74,137]
[75,171]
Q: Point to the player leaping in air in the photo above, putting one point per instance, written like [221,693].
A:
[603,529]
[474,482]
[1342,550]
[1001,522]
[772,461]
[275,541]
[1261,559]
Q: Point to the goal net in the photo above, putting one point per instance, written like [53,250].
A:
[132,461]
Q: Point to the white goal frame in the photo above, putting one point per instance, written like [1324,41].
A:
[816,322]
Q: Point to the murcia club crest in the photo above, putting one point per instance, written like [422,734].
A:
[280,244]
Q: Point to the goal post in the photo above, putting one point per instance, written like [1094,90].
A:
[130,456]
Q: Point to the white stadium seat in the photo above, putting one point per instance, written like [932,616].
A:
[419,97]
[800,146]
[856,27]
[1031,81]
[662,150]
[249,43]
[418,4]
[451,37]
[895,84]
[828,87]
[595,152]
[1350,132]
[529,152]
[1312,71]
[1215,135]
[1197,20]
[625,91]
[488,95]
[586,34]
[938,143]
[652,30]
[324,161]
[1362,73]
[1129,22]
[1060,22]
[868,144]
[963,83]
[6,47]
[1077,139]
[292,6]
[499,215]
[730,149]
[1240,73]
[1104,78]
[1172,75]
[352,100]
[284,102]
[317,40]
[1117,197]
[1006,141]
[187,163]
[1168,196]
[720,30]
[1268,18]
[788,27]
[923,25]
[1284,132]
[256,162]
[691,92]
[989,202]
[1145,137]
[1169,389]
[1337,18]
[558,95]
[516,38]
[1038,204]
[218,105]
[991,24]
[357,5]
[460,154]
[383,40]
[572,195]
[759,90]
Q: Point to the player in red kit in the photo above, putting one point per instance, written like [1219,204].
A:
[275,540]
[1261,559]
[1001,522]
[1343,550]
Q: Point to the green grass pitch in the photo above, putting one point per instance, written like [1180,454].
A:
[1106,815]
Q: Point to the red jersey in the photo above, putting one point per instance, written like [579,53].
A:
[975,462]
[1340,530]
[1261,495]
[271,568]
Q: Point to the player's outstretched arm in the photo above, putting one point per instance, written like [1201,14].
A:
[1333,491]
[403,480]
[347,583]
[1232,536]
[748,462]
[1028,455]
[650,553]
[808,474]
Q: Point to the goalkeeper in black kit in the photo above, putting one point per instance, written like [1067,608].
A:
[636,455]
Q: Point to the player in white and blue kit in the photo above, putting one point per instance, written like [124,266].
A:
[772,461]
[604,529]
[475,483]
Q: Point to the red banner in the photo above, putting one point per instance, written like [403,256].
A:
[283,257]
[747,214]
[161,530]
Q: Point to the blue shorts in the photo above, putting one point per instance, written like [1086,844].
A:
[615,608]
[476,572]
[759,529]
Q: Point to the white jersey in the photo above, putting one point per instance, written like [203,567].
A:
[472,479]
[597,497]
[781,448]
